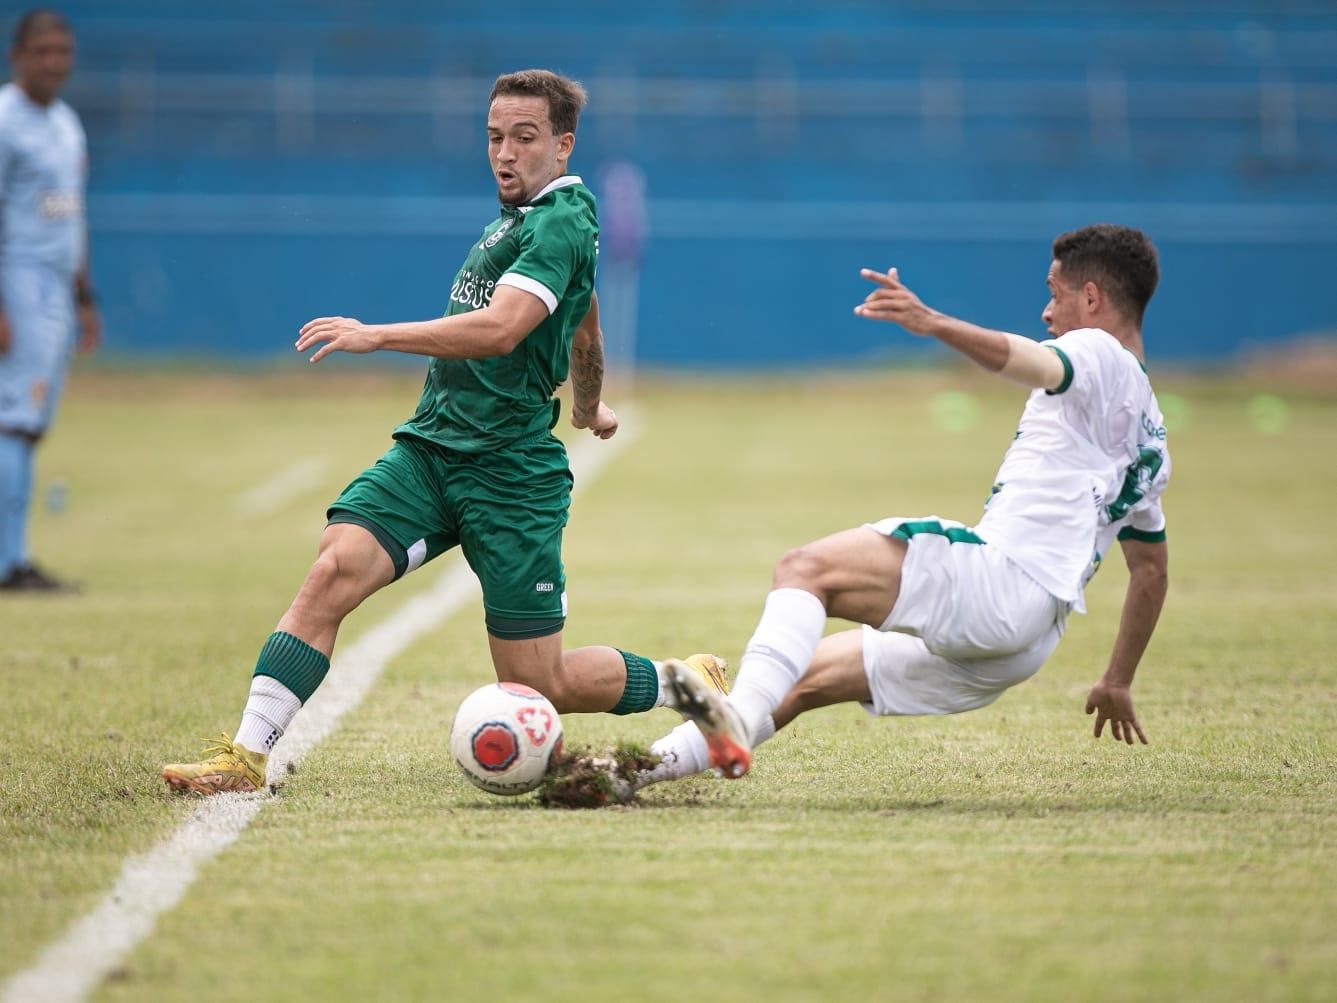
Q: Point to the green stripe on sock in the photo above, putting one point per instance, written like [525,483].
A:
[292,662]
[642,689]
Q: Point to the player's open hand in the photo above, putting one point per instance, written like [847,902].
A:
[1115,705]
[337,334]
[892,301]
[602,422]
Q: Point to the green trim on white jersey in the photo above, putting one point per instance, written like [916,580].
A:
[955,534]
[1141,535]
[1067,370]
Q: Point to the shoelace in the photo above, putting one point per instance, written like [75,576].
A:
[221,746]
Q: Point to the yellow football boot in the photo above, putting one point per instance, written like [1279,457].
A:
[711,670]
[228,767]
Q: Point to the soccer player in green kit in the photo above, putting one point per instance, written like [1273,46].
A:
[477,465]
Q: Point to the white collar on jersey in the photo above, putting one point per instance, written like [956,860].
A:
[562,182]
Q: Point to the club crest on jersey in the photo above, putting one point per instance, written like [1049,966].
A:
[500,232]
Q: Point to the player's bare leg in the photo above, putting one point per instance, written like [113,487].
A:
[592,679]
[349,567]
[582,681]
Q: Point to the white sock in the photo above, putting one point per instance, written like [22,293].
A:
[659,675]
[762,730]
[269,710]
[682,753]
[779,653]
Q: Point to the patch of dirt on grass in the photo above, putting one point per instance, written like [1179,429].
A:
[583,779]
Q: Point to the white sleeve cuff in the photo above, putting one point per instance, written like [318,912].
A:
[531,286]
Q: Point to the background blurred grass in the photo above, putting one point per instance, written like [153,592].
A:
[999,854]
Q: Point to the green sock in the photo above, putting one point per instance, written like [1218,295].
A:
[292,662]
[642,689]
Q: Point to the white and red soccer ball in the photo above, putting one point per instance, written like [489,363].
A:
[504,737]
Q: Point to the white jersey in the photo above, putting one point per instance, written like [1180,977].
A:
[1088,465]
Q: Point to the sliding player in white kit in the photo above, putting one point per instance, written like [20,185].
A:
[953,616]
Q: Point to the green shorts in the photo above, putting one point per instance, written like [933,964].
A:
[506,510]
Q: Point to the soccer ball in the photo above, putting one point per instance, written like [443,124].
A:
[504,737]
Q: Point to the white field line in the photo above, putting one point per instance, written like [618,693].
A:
[155,881]
[287,484]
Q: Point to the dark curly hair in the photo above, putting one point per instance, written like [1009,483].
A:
[1120,260]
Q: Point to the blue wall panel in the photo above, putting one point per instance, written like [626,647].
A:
[258,164]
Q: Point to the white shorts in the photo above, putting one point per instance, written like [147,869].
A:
[967,625]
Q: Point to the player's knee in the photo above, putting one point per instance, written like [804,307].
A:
[801,567]
[334,583]
[326,572]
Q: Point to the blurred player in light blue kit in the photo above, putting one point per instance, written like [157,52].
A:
[43,269]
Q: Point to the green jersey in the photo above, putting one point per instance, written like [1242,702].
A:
[548,248]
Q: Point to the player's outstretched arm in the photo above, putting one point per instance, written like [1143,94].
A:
[587,377]
[494,330]
[1148,581]
[1011,356]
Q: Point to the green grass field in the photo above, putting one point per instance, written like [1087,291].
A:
[999,855]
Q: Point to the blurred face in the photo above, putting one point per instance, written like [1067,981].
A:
[523,152]
[1067,309]
[42,63]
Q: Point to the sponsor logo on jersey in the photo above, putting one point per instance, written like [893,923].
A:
[60,205]
[1153,430]
[472,290]
[543,587]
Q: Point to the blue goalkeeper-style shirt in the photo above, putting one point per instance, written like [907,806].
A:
[43,171]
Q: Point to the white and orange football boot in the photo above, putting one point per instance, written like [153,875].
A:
[691,694]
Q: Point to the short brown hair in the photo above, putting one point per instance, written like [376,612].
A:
[1120,260]
[565,96]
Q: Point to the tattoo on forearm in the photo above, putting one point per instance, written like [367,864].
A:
[587,376]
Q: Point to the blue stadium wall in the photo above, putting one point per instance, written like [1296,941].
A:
[257,164]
